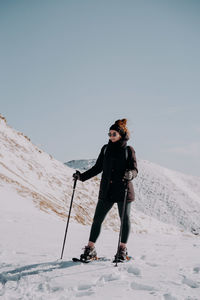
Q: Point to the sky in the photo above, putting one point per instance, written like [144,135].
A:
[70,69]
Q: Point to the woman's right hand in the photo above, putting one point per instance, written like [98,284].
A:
[77,175]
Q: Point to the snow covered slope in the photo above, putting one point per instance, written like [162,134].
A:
[36,175]
[168,196]
[163,197]
[165,266]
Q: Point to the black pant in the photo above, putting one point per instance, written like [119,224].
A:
[101,211]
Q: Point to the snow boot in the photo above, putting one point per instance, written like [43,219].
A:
[122,256]
[89,253]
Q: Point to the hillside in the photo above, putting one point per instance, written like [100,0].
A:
[163,197]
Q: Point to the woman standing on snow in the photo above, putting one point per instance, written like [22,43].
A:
[118,163]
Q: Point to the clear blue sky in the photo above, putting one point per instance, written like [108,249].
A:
[69,69]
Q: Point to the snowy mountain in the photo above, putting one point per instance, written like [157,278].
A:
[163,197]
[81,164]
[33,174]
[35,192]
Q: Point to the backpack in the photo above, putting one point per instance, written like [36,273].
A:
[125,149]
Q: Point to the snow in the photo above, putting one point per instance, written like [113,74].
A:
[35,194]
[165,266]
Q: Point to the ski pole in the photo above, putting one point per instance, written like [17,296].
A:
[75,180]
[122,221]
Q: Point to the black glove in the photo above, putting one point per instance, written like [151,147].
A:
[130,174]
[77,175]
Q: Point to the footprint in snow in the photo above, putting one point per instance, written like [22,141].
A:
[84,293]
[191,283]
[169,297]
[109,277]
[143,257]
[140,286]
[133,270]
[151,264]
[196,269]
[84,286]
[84,289]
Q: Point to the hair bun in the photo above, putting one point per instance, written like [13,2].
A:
[121,122]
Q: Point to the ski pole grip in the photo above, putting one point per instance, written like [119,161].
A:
[126,184]
[75,181]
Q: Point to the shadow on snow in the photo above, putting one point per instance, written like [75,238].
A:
[34,269]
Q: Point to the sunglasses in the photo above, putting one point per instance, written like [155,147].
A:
[112,134]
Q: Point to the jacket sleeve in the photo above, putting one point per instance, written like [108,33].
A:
[132,162]
[96,169]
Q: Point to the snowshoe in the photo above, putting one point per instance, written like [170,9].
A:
[122,255]
[88,254]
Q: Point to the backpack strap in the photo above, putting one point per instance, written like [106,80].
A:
[126,152]
[104,151]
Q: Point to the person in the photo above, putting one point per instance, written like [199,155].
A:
[118,169]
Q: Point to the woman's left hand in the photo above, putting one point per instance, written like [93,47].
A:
[130,174]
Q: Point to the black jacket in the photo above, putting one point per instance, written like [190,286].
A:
[114,164]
